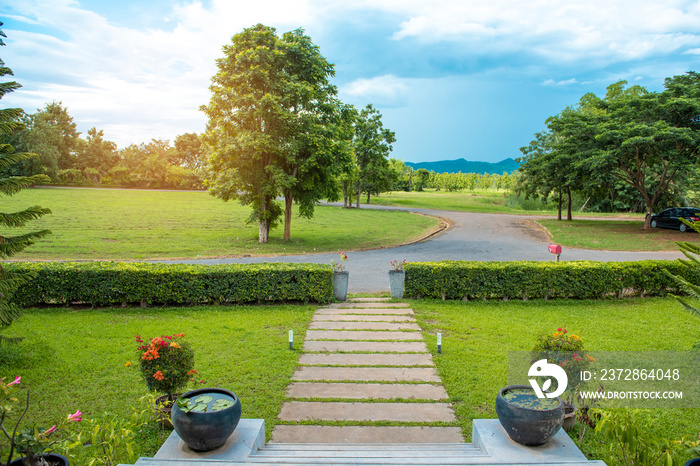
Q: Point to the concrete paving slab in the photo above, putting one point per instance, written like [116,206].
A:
[361,318]
[366,374]
[366,359]
[366,305]
[341,411]
[382,311]
[365,434]
[364,326]
[358,335]
[367,300]
[366,346]
[362,391]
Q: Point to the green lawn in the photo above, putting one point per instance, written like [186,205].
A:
[75,359]
[614,235]
[135,224]
[477,336]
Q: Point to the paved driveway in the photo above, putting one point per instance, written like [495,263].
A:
[473,236]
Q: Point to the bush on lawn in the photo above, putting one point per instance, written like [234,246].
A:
[121,283]
[530,280]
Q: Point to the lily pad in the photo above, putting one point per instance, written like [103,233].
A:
[199,408]
[203,399]
[221,404]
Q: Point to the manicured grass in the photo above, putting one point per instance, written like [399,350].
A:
[481,201]
[477,336]
[477,201]
[74,359]
[614,235]
[135,224]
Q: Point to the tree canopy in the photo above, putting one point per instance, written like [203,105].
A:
[273,125]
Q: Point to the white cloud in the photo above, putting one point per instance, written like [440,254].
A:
[559,31]
[383,91]
[566,82]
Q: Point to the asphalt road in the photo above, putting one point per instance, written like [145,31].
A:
[472,236]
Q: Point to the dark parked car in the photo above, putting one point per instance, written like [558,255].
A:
[669,218]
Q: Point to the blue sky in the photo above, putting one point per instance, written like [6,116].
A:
[453,78]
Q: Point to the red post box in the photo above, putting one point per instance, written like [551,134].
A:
[555,249]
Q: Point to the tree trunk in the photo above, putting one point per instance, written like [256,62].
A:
[647,217]
[345,194]
[367,198]
[358,192]
[288,199]
[263,225]
[568,205]
[559,207]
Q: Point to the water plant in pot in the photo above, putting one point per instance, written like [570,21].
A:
[167,366]
[397,275]
[205,418]
[340,277]
[37,446]
[527,419]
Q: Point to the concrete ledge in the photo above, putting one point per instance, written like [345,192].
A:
[245,441]
[489,436]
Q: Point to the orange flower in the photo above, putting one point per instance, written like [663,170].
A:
[590,358]
[128,364]
[158,375]
[193,371]
[175,345]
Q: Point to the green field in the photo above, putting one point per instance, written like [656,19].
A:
[135,224]
[80,362]
[477,336]
[614,235]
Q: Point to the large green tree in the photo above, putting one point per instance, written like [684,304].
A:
[372,144]
[647,140]
[11,245]
[271,125]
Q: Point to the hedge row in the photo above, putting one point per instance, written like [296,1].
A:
[468,280]
[120,283]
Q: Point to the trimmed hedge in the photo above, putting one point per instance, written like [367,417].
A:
[528,280]
[121,283]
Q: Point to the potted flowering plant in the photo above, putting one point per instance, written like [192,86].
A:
[396,278]
[32,443]
[565,350]
[340,277]
[167,365]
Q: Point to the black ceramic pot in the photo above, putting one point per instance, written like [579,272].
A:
[528,426]
[208,430]
[693,462]
[54,459]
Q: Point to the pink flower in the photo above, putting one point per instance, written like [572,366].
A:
[559,329]
[15,382]
[77,416]
[51,430]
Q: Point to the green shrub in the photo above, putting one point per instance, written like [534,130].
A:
[121,283]
[468,280]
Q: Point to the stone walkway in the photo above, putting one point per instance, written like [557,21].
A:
[365,376]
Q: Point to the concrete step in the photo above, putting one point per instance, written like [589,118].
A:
[361,318]
[364,326]
[365,434]
[366,412]
[361,305]
[368,374]
[368,300]
[366,391]
[365,359]
[365,346]
[364,335]
[375,311]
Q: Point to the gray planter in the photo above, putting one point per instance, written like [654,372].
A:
[396,278]
[340,285]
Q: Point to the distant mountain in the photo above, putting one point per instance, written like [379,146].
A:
[465,166]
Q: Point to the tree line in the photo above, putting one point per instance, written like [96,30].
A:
[629,150]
